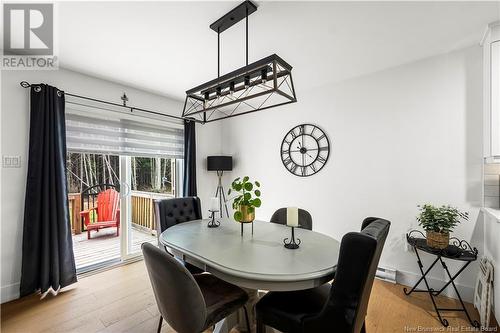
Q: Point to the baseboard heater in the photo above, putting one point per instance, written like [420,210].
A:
[386,274]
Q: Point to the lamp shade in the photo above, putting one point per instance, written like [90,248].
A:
[219,163]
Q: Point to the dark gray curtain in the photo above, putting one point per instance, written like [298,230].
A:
[48,259]
[189,159]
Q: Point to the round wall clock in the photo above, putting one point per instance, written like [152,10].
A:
[305,150]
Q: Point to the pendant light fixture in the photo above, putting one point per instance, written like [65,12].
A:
[261,85]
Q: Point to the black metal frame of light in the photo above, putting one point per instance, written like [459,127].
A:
[261,85]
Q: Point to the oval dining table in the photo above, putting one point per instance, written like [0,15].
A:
[254,261]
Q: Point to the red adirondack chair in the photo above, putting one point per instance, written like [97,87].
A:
[108,212]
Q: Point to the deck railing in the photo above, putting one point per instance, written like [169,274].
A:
[143,215]
[74,212]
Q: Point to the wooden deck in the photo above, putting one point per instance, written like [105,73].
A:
[105,245]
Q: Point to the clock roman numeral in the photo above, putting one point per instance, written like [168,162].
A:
[321,137]
[323,148]
[293,134]
[313,167]
[321,159]
[293,168]
[287,161]
[303,170]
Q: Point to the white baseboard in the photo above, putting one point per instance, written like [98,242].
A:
[9,292]
[409,279]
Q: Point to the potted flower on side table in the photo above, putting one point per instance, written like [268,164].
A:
[438,222]
[246,200]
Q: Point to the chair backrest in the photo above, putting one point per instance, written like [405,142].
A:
[88,200]
[305,219]
[108,203]
[359,256]
[169,212]
[177,294]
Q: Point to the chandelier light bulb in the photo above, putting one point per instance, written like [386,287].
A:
[231,89]
[263,74]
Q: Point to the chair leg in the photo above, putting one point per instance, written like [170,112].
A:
[249,330]
[159,324]
[363,328]
[88,234]
[261,328]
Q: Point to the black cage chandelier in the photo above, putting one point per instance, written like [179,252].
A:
[261,85]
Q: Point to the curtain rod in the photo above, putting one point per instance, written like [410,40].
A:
[26,84]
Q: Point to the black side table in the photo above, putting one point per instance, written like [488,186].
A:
[457,250]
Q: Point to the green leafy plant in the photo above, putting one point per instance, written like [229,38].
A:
[248,194]
[440,219]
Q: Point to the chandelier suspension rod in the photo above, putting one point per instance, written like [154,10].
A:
[246,43]
[246,23]
[218,52]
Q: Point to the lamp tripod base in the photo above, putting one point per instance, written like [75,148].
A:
[219,193]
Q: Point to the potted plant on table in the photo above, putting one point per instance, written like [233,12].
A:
[247,199]
[438,222]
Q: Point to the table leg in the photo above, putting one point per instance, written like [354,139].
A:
[474,323]
[238,319]
[424,274]
[429,290]
[253,298]
[449,275]
[226,324]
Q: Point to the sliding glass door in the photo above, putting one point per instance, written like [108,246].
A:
[150,179]
[138,181]
[94,194]
[119,163]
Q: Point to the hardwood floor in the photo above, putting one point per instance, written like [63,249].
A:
[121,300]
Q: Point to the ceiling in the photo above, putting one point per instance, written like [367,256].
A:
[167,47]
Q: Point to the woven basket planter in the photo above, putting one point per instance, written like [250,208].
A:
[438,240]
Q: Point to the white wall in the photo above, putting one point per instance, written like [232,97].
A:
[401,137]
[14,135]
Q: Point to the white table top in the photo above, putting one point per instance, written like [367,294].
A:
[258,261]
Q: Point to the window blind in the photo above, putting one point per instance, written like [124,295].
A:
[90,129]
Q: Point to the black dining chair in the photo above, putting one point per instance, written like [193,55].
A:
[169,212]
[305,219]
[339,307]
[189,303]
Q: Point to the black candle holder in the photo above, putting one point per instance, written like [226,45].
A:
[293,243]
[213,223]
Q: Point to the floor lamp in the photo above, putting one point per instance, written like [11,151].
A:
[220,164]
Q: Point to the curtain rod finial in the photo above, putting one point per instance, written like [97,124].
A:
[25,84]
[124,98]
